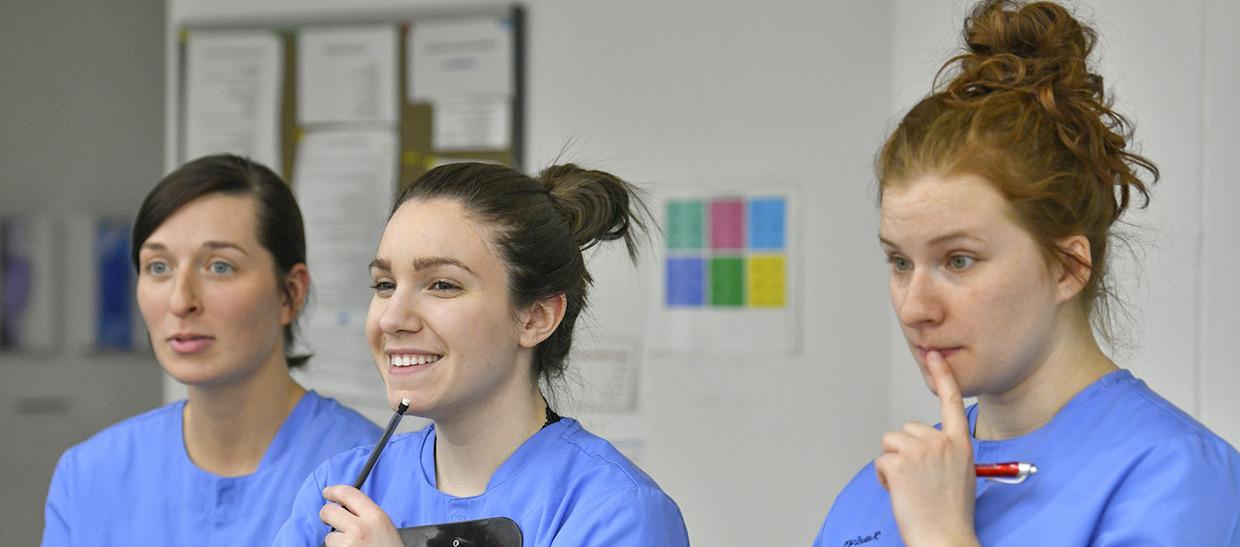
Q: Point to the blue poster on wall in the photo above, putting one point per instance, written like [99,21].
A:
[113,322]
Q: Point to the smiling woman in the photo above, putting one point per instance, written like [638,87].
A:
[478,280]
[220,254]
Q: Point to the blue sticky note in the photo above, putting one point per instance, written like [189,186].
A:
[767,223]
[685,286]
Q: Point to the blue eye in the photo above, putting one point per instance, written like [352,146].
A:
[221,268]
[157,268]
[960,262]
[900,264]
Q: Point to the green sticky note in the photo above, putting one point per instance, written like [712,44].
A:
[727,282]
[684,224]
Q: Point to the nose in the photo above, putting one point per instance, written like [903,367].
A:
[917,300]
[400,314]
[184,300]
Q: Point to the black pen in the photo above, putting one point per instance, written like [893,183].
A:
[374,454]
[387,433]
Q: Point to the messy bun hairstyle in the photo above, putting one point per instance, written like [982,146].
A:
[1022,109]
[541,226]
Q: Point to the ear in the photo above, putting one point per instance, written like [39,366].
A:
[540,319]
[295,287]
[1073,276]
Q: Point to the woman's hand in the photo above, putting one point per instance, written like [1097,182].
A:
[357,520]
[929,472]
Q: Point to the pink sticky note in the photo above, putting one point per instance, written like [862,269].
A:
[727,224]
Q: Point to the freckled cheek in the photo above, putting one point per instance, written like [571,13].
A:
[1001,323]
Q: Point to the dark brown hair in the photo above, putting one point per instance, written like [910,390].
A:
[1022,109]
[280,228]
[541,226]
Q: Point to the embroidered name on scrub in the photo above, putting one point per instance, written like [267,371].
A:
[863,539]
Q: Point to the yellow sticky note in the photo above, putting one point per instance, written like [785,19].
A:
[766,276]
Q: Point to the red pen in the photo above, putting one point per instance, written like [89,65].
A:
[1006,472]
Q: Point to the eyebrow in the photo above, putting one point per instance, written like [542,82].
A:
[950,236]
[216,245]
[420,264]
[213,245]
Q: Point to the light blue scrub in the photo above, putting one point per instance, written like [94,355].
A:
[563,486]
[1118,465]
[133,484]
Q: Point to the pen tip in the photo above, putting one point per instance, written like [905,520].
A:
[405,402]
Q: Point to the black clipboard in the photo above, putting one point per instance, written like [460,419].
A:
[488,532]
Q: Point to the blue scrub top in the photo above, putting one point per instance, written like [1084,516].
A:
[1118,465]
[133,483]
[563,486]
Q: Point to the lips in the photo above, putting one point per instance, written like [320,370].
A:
[945,351]
[189,343]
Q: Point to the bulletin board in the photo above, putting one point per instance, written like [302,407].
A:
[227,71]
[349,111]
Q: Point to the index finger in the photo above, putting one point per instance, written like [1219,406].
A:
[951,403]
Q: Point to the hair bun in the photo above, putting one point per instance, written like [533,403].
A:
[1012,45]
[598,206]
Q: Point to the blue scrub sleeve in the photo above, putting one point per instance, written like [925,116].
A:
[57,514]
[637,517]
[1182,491]
[303,526]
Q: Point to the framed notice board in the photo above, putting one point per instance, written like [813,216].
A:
[454,84]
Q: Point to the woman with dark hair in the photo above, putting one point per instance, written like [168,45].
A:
[997,194]
[220,251]
[478,281]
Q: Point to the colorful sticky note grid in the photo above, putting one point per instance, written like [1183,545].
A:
[684,224]
[727,282]
[727,224]
[685,281]
[767,286]
[766,223]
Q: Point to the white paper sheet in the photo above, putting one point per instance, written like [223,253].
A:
[460,56]
[731,331]
[347,75]
[609,378]
[471,123]
[233,92]
[344,181]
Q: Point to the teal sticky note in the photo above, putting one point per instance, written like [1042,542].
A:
[684,224]
[727,282]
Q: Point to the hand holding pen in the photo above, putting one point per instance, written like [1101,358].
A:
[354,518]
[929,472]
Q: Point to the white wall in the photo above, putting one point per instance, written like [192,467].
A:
[1173,73]
[80,113]
[1220,225]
